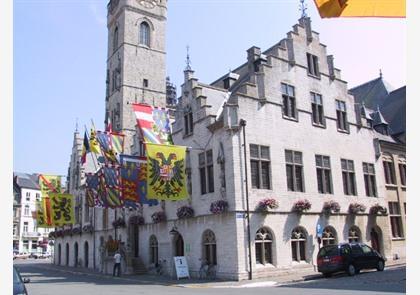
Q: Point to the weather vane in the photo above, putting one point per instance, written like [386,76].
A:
[303,7]
[188,61]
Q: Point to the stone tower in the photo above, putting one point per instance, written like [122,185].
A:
[136,66]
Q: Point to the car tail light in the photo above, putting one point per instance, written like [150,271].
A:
[319,261]
[337,259]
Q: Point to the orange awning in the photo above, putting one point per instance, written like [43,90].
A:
[360,8]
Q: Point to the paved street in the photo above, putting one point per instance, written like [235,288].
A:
[47,279]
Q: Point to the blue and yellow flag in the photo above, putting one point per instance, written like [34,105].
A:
[166,178]
[62,208]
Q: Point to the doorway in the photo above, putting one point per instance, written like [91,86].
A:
[76,254]
[86,254]
[179,245]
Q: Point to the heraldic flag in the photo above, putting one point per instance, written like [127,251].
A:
[166,179]
[153,123]
[43,213]
[62,209]
[48,184]
[361,8]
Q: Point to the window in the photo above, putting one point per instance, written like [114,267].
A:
[25,245]
[14,229]
[370,182]
[260,166]
[349,178]
[402,169]
[209,247]
[145,34]
[328,236]
[342,124]
[26,212]
[115,40]
[298,245]
[28,196]
[205,163]
[145,83]
[153,249]
[38,196]
[289,101]
[323,174]
[313,68]
[354,234]
[366,249]
[294,171]
[263,246]
[317,110]
[396,222]
[389,170]
[25,227]
[188,121]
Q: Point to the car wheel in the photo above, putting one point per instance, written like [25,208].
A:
[351,270]
[381,265]
[357,271]
[326,274]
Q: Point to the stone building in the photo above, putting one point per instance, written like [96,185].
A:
[27,237]
[281,126]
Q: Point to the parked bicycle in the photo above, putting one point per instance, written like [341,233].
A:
[159,267]
[207,271]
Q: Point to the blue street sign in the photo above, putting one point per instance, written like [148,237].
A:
[318,230]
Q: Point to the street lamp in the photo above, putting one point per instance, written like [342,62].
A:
[242,123]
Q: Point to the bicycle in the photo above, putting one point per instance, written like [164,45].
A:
[159,267]
[207,271]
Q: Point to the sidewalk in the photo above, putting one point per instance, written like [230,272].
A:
[149,279]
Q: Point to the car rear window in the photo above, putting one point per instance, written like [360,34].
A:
[328,251]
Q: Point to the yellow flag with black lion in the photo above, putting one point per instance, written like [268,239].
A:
[166,179]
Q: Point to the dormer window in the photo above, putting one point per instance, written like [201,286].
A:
[145,34]
[313,68]
[188,121]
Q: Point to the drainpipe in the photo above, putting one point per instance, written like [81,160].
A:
[243,124]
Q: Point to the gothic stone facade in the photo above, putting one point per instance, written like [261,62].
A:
[277,93]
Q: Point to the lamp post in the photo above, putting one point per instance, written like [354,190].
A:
[242,123]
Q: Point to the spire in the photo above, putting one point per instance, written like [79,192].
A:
[77,125]
[188,61]
[303,7]
[380,73]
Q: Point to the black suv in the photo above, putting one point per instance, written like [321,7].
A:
[348,257]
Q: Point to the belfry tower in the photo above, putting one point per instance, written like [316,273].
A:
[136,66]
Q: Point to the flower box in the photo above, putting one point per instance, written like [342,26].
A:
[355,208]
[88,228]
[301,206]
[136,220]
[52,235]
[59,233]
[118,223]
[219,206]
[67,232]
[378,210]
[331,207]
[266,204]
[76,230]
[185,212]
[158,216]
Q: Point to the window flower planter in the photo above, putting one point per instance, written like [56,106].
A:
[158,216]
[59,233]
[88,228]
[266,204]
[67,232]
[118,223]
[356,208]
[136,220]
[378,210]
[52,235]
[331,207]
[302,206]
[219,206]
[76,230]
[185,212]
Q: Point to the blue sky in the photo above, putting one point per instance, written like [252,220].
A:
[60,59]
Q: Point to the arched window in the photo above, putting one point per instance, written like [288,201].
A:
[263,246]
[209,247]
[59,254]
[115,40]
[354,234]
[298,244]
[328,236]
[145,34]
[153,249]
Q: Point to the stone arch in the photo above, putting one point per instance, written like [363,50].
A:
[329,236]
[209,247]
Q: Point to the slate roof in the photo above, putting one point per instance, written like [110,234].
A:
[25,180]
[372,92]
[392,103]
